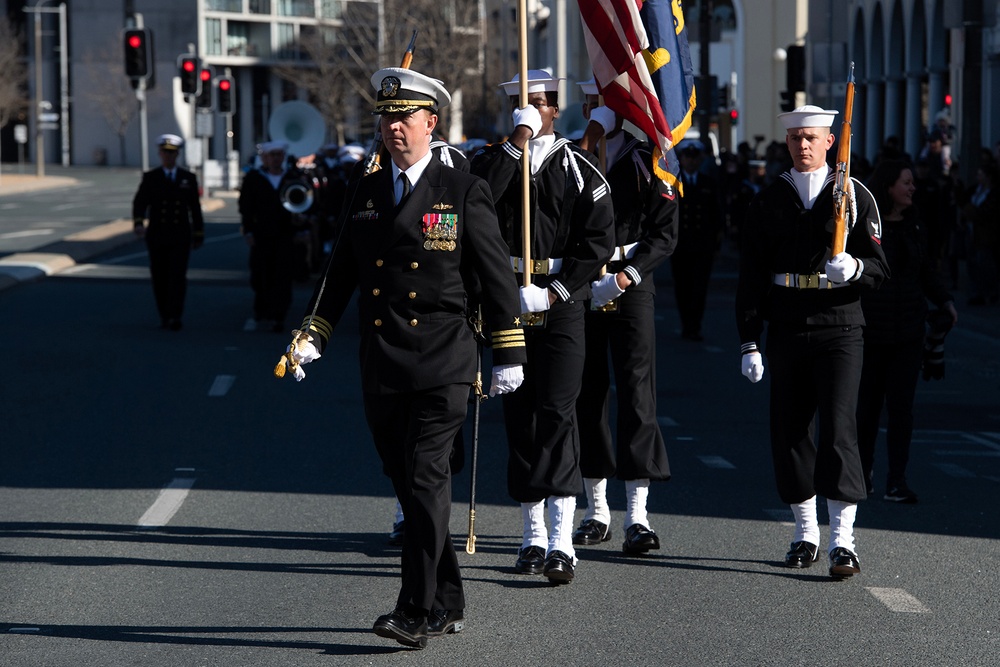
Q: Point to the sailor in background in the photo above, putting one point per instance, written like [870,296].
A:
[812,303]
[168,196]
[621,320]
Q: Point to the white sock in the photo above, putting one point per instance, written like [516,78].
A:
[636,492]
[841,523]
[597,500]
[806,525]
[535,535]
[561,510]
[399,513]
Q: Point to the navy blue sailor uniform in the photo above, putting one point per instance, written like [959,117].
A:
[572,236]
[646,220]
[175,223]
[412,266]
[814,333]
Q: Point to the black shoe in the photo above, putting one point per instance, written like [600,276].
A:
[405,629]
[559,568]
[397,533]
[530,560]
[844,563]
[445,621]
[590,532]
[900,493]
[639,540]
[802,554]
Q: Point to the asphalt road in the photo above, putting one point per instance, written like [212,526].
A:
[165,501]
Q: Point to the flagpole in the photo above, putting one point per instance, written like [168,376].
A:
[522,53]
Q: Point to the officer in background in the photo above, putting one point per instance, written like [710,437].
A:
[271,232]
[812,303]
[701,228]
[621,319]
[572,228]
[168,197]
[414,240]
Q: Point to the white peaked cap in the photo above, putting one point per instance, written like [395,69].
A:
[589,87]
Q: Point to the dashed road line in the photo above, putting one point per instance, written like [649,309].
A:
[898,600]
[666,421]
[717,462]
[221,385]
[167,503]
[954,470]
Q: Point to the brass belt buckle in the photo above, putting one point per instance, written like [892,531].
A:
[540,266]
[533,319]
[609,307]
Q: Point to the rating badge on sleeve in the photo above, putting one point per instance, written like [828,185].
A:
[440,231]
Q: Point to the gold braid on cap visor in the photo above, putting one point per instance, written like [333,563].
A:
[403,106]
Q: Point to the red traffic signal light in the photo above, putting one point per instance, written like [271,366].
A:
[734,116]
[138,53]
[189,70]
[224,96]
[204,99]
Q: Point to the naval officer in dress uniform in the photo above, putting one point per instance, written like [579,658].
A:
[812,304]
[621,320]
[572,230]
[168,197]
[415,241]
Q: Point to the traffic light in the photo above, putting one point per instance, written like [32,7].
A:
[795,68]
[788,100]
[204,99]
[138,53]
[734,117]
[224,97]
[189,70]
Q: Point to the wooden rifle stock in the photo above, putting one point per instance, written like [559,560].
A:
[372,158]
[841,188]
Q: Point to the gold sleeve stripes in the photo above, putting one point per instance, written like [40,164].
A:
[318,325]
[508,338]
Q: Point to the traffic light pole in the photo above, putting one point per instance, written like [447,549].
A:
[140,95]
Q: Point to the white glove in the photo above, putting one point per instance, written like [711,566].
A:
[506,378]
[753,366]
[534,299]
[303,352]
[530,118]
[841,267]
[604,117]
[605,289]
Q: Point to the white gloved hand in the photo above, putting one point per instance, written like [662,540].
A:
[303,352]
[841,267]
[530,118]
[534,299]
[506,378]
[604,117]
[753,366]
[605,289]
[298,373]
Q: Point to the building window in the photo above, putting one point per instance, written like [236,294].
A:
[235,6]
[260,6]
[331,9]
[287,49]
[213,37]
[297,8]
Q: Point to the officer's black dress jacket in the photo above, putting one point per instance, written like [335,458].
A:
[782,236]
[570,207]
[173,207]
[413,306]
[646,213]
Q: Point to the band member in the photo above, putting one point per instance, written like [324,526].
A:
[812,304]
[571,227]
[621,320]
[168,196]
[416,238]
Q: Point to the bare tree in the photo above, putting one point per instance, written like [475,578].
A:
[13,99]
[110,91]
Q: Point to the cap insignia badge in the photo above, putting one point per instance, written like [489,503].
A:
[390,86]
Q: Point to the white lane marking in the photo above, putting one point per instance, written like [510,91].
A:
[666,421]
[221,385]
[717,462]
[898,600]
[169,501]
[782,515]
[954,470]
[23,631]
[985,442]
[27,233]
[250,324]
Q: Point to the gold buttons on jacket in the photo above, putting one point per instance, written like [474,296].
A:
[378,262]
[378,323]
[413,323]
[413,295]
[376,291]
[414,265]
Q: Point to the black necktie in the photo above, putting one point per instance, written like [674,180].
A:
[406,187]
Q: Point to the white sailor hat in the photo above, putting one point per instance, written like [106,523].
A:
[401,90]
[757,164]
[539,81]
[170,142]
[351,153]
[807,116]
[272,146]
[589,87]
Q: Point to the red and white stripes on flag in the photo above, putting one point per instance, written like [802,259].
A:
[615,40]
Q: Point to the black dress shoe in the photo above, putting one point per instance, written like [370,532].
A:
[397,533]
[445,621]
[404,628]
[591,532]
[844,563]
[530,560]
[802,554]
[639,540]
[559,568]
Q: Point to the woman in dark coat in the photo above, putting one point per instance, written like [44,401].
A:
[895,317]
